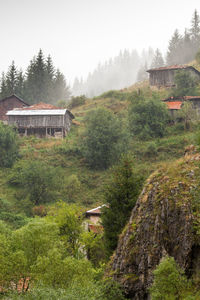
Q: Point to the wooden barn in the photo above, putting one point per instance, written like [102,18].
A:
[42,120]
[10,103]
[164,76]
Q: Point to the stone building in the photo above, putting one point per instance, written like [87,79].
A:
[42,120]
[164,76]
[10,103]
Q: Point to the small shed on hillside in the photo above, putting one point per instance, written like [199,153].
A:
[42,120]
[195,100]
[164,76]
[174,106]
[10,103]
[94,219]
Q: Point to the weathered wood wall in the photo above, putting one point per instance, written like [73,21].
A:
[166,77]
[9,104]
[49,121]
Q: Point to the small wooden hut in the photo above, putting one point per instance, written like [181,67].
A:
[42,120]
[164,76]
[10,103]
[175,103]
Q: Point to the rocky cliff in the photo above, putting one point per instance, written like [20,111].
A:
[165,221]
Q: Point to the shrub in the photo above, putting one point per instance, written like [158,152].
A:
[169,281]
[147,117]
[38,180]
[77,101]
[151,149]
[104,139]
[186,84]
[9,147]
[40,211]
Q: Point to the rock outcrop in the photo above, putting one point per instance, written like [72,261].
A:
[164,221]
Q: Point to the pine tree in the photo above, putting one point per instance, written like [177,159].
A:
[61,90]
[19,90]
[3,89]
[186,49]
[174,54]
[158,60]
[120,196]
[49,80]
[35,82]
[195,33]
[142,73]
[195,28]
[11,79]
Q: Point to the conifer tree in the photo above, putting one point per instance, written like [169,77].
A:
[174,49]
[49,80]
[11,79]
[3,89]
[195,28]
[120,196]
[61,90]
[158,60]
[19,90]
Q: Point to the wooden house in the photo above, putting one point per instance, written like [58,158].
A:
[94,219]
[164,76]
[43,120]
[10,103]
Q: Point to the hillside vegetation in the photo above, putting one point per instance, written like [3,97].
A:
[50,183]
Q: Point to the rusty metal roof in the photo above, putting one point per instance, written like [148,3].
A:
[174,105]
[41,105]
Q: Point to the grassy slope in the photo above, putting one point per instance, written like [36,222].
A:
[61,152]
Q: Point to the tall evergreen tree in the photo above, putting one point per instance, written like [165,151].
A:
[158,60]
[19,90]
[49,80]
[174,55]
[61,90]
[120,196]
[195,28]
[3,88]
[11,79]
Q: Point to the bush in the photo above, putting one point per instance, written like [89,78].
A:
[9,147]
[38,180]
[77,101]
[169,281]
[114,95]
[104,139]
[186,84]
[151,150]
[147,118]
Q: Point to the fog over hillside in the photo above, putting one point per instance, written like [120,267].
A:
[116,73]
[130,66]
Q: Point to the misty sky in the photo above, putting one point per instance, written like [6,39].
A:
[78,34]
